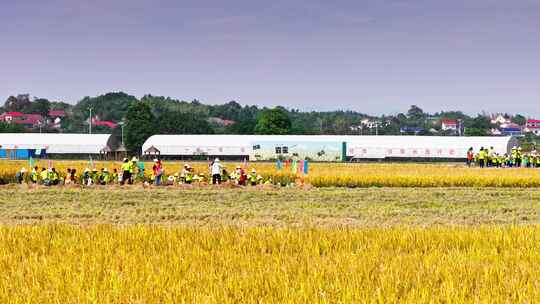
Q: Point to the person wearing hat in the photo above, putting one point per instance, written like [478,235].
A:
[187,174]
[125,169]
[21,175]
[253,177]
[215,169]
[94,176]
[104,177]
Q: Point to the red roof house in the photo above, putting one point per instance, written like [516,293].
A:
[29,120]
[449,124]
[108,124]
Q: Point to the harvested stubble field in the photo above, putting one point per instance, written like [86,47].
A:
[168,245]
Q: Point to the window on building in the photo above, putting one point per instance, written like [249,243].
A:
[278,150]
[256,147]
[285,150]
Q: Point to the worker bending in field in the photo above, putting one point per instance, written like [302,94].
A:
[34,175]
[21,176]
[104,177]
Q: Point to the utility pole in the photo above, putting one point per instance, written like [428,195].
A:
[122,126]
[90,121]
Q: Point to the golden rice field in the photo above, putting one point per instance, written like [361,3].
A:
[151,264]
[280,245]
[345,174]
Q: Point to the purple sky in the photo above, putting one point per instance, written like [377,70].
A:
[373,56]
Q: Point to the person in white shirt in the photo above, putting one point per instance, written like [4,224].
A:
[215,169]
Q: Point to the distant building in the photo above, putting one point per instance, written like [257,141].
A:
[11,116]
[449,124]
[499,119]
[532,126]
[30,120]
[511,131]
[27,120]
[108,124]
[221,122]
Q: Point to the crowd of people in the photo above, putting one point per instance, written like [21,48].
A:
[132,171]
[487,157]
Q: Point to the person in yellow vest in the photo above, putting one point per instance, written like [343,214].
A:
[188,175]
[268,181]
[44,177]
[34,175]
[519,158]
[132,166]
[252,178]
[114,176]
[482,157]
[500,160]
[125,169]
[54,179]
[513,156]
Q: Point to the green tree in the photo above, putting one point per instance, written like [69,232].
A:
[10,128]
[182,123]
[140,124]
[17,104]
[39,106]
[273,121]
[519,119]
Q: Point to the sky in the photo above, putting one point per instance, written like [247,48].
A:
[372,56]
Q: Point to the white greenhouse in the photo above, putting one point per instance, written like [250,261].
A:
[25,145]
[321,148]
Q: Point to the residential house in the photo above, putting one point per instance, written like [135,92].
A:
[449,125]
[11,116]
[500,119]
[27,120]
[532,126]
[221,122]
[108,124]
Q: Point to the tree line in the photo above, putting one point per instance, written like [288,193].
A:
[143,117]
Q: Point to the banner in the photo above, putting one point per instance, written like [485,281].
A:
[294,166]
[279,165]
[306,167]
